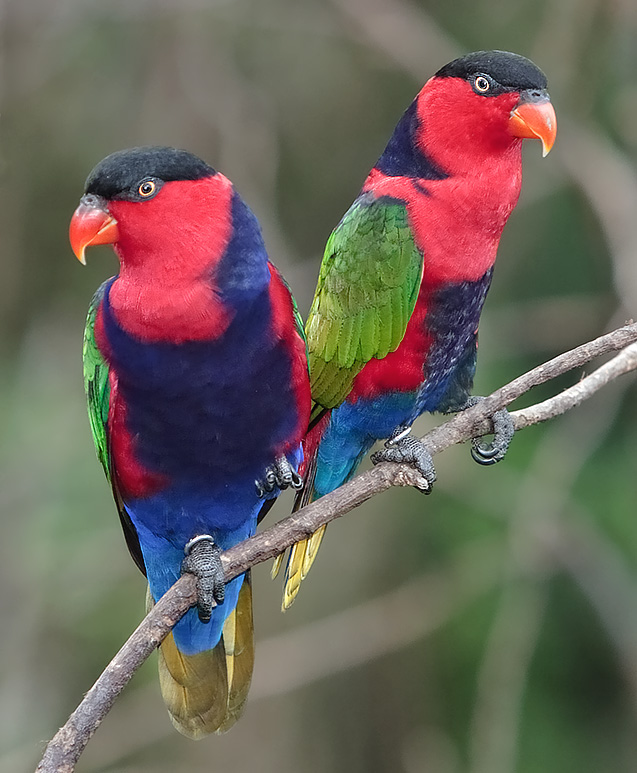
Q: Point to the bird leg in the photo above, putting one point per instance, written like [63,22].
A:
[402,448]
[279,475]
[503,430]
[204,561]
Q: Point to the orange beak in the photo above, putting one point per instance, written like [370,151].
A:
[534,118]
[91,224]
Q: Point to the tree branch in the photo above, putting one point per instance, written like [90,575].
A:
[65,748]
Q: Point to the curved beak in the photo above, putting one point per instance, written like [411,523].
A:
[534,118]
[91,224]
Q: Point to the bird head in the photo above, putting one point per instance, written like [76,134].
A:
[483,104]
[142,199]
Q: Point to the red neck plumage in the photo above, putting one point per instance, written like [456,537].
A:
[168,248]
[457,222]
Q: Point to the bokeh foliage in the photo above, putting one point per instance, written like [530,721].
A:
[489,628]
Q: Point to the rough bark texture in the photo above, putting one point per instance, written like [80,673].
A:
[65,748]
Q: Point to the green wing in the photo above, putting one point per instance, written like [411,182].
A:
[96,384]
[367,289]
[98,395]
[366,293]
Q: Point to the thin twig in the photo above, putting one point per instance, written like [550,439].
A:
[543,494]
[573,396]
[65,748]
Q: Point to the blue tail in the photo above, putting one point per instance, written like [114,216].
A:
[205,669]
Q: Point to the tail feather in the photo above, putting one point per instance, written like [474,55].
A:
[206,692]
[303,497]
[238,641]
[194,688]
[300,560]
[277,563]
[303,553]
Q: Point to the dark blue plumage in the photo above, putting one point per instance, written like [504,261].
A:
[403,156]
[453,312]
[188,404]
[197,382]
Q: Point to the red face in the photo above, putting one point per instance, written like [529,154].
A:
[467,120]
[164,220]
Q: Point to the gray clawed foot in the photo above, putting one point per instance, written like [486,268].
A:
[279,475]
[401,448]
[503,431]
[203,559]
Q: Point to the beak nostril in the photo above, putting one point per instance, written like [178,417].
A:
[534,95]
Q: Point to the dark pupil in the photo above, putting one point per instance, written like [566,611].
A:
[483,84]
[147,187]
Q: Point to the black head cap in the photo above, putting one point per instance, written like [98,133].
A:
[119,175]
[511,71]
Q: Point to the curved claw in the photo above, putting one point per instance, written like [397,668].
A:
[279,475]
[484,454]
[491,453]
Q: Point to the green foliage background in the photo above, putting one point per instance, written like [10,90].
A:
[489,628]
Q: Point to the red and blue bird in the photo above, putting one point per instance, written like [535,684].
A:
[196,375]
[392,331]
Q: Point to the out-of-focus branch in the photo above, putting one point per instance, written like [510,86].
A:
[65,748]
[573,396]
[544,492]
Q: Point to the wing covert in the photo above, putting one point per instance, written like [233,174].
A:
[367,289]
[98,396]
[96,383]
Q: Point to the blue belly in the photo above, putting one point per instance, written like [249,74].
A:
[353,428]
[165,522]
[209,417]
[206,410]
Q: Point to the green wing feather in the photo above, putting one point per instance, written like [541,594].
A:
[367,289]
[366,293]
[98,396]
[96,384]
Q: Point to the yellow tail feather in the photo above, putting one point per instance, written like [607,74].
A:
[206,693]
[238,641]
[194,688]
[300,561]
[276,566]
[303,553]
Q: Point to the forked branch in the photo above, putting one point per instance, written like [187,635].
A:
[65,748]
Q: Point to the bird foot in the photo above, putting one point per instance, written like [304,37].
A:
[279,475]
[203,560]
[401,448]
[503,430]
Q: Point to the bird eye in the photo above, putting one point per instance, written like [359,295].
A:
[482,84]
[147,188]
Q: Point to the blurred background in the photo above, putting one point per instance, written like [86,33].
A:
[489,628]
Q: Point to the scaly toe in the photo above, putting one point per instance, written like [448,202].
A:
[404,449]
[503,430]
[279,475]
[203,559]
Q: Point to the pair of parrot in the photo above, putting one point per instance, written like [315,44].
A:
[200,400]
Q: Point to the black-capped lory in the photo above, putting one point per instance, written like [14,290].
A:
[198,392]
[392,331]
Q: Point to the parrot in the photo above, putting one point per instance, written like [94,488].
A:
[392,329]
[196,376]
